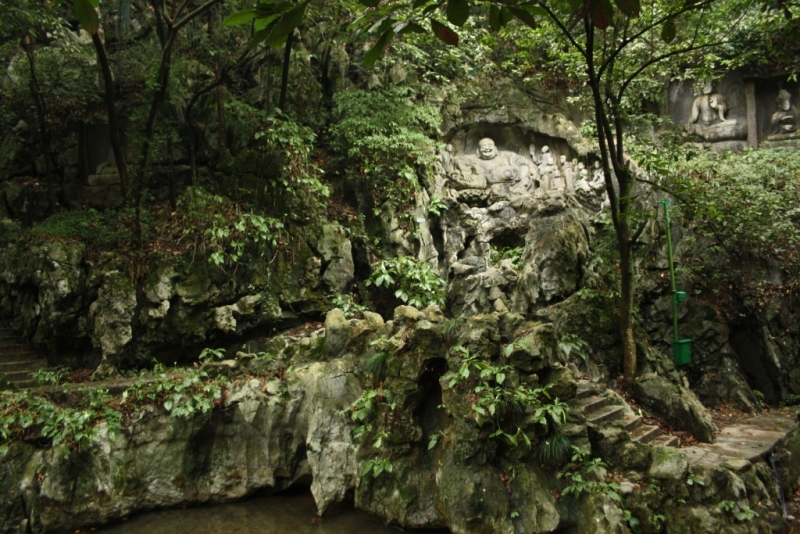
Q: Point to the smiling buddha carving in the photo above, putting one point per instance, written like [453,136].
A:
[491,173]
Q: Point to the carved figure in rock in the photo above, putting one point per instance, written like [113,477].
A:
[567,172]
[547,170]
[708,117]
[783,120]
[502,172]
[582,181]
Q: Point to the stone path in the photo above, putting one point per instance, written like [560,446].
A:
[751,439]
[600,409]
[17,359]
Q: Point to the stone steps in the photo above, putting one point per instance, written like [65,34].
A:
[597,409]
[17,360]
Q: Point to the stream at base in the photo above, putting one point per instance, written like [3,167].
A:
[282,514]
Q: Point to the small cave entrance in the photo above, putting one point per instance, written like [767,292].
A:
[427,413]
[508,239]
[755,363]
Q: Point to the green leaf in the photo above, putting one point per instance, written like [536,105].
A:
[86,15]
[260,24]
[534,9]
[494,17]
[239,18]
[286,25]
[629,8]
[668,31]
[601,12]
[411,27]
[457,12]
[369,3]
[445,34]
[376,51]
[523,15]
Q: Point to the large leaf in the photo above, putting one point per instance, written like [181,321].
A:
[266,9]
[240,17]
[534,9]
[457,12]
[444,33]
[411,27]
[260,23]
[575,5]
[376,51]
[601,12]
[629,8]
[494,17]
[523,15]
[286,25]
[261,35]
[668,31]
[86,15]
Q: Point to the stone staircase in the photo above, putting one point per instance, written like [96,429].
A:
[599,408]
[17,359]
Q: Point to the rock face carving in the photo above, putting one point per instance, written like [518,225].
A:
[489,173]
[499,201]
[708,117]
[783,124]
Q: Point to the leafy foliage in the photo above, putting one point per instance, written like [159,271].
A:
[183,392]
[384,136]
[373,410]
[32,415]
[500,404]
[587,474]
[511,253]
[225,231]
[415,282]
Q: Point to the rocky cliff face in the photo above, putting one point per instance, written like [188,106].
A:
[446,465]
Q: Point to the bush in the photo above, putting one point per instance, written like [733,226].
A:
[415,282]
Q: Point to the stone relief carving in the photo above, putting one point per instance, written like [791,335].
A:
[783,124]
[708,117]
[490,175]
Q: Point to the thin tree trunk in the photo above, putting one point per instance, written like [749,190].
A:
[220,109]
[173,195]
[113,125]
[44,135]
[287,54]
[610,153]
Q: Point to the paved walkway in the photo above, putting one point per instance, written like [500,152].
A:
[751,439]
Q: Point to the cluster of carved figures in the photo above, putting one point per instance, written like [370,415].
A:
[491,174]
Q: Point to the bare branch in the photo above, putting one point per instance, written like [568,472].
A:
[186,19]
[625,42]
[563,29]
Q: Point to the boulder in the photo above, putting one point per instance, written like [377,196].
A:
[676,404]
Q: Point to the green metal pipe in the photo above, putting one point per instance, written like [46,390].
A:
[671,270]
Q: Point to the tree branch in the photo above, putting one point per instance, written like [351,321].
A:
[625,42]
[564,29]
[662,57]
[186,19]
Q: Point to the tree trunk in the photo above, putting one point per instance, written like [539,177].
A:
[220,109]
[113,125]
[287,54]
[44,134]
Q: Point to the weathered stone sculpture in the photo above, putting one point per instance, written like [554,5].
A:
[708,118]
[489,173]
[784,122]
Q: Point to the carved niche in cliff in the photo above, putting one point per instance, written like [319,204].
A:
[498,166]
[711,117]
[784,123]
[714,112]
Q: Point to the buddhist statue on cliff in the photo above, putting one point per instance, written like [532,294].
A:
[708,117]
[783,122]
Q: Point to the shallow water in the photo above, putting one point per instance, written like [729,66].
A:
[295,514]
